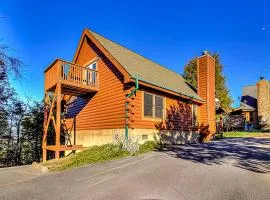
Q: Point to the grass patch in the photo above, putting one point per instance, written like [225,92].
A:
[234,134]
[147,146]
[95,154]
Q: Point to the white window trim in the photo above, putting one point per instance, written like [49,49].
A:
[92,61]
[95,62]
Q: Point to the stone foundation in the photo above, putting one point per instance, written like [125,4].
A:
[180,137]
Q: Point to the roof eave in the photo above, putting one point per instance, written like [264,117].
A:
[166,90]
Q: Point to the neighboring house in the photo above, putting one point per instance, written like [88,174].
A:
[246,115]
[109,90]
[255,106]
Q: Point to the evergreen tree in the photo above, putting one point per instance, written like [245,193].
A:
[32,130]
[9,65]
[222,92]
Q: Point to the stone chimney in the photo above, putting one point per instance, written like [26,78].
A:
[263,100]
[206,90]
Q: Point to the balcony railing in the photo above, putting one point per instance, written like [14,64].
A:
[70,74]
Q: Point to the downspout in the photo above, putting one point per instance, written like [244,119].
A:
[127,104]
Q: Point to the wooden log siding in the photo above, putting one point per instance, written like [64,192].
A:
[178,114]
[202,90]
[206,90]
[106,108]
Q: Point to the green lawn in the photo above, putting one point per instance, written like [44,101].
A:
[245,134]
[95,154]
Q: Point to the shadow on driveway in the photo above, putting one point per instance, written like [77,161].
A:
[248,153]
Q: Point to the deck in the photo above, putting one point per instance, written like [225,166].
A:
[75,80]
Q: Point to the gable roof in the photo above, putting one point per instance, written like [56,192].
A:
[145,69]
[246,107]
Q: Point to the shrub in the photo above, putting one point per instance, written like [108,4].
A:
[130,144]
[158,140]
[148,146]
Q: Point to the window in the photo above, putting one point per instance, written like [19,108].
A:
[153,106]
[148,105]
[90,76]
[194,115]
[158,106]
[144,137]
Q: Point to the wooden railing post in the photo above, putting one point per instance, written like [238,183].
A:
[97,83]
[59,65]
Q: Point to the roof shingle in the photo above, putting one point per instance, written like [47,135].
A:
[145,69]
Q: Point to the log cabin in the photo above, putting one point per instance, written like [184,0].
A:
[109,90]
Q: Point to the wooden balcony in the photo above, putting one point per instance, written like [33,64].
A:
[75,80]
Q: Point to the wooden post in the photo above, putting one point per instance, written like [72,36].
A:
[58,120]
[74,131]
[44,140]
[44,154]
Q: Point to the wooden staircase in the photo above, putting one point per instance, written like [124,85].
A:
[64,80]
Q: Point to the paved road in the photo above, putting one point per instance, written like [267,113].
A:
[228,169]
[16,175]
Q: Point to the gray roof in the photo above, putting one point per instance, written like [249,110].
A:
[250,90]
[249,97]
[145,69]
[247,107]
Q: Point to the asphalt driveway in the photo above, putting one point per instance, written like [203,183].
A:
[227,169]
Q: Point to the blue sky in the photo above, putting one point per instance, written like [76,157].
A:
[168,32]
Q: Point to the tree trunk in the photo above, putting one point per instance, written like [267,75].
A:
[8,145]
[18,154]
